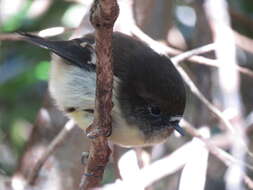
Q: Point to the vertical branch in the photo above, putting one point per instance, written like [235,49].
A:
[229,83]
[196,164]
[103,14]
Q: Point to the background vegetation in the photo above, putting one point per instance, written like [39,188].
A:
[181,24]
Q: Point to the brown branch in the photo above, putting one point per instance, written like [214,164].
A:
[103,15]
[58,140]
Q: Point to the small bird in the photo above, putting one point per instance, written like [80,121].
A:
[149,95]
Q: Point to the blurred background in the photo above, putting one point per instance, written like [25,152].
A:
[29,121]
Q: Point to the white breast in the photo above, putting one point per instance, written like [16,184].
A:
[71,86]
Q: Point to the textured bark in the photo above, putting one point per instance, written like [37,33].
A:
[103,15]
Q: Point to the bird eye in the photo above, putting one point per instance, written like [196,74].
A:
[154,110]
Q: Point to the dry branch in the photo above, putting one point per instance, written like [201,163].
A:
[192,57]
[229,83]
[197,51]
[58,140]
[160,168]
[103,15]
[222,155]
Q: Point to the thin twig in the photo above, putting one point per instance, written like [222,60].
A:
[243,42]
[115,157]
[196,164]
[193,58]
[208,104]
[197,51]
[222,155]
[58,140]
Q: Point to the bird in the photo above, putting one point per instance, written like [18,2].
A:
[149,95]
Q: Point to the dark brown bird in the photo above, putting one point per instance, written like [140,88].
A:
[149,95]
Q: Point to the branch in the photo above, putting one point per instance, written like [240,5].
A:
[208,104]
[103,15]
[192,57]
[188,54]
[58,140]
[177,159]
[222,155]
[229,83]
[196,164]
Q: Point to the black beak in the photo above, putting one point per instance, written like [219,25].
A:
[179,129]
[70,50]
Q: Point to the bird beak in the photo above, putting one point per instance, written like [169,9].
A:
[179,129]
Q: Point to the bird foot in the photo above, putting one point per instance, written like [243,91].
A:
[92,132]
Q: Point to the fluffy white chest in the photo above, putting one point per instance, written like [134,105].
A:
[71,87]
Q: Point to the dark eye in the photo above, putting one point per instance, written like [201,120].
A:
[154,110]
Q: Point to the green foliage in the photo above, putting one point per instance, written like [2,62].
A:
[23,76]
[17,19]
[41,70]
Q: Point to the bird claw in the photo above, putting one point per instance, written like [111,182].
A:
[93,133]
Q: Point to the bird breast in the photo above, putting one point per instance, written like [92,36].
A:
[71,86]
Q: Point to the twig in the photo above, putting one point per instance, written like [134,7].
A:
[186,55]
[142,178]
[58,140]
[193,58]
[115,157]
[222,155]
[209,105]
[196,164]
[229,83]
[243,42]
[177,160]
[103,15]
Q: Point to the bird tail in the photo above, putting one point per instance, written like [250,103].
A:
[70,50]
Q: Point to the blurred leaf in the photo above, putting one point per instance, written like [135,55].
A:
[19,133]
[41,70]
[15,21]
[71,17]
